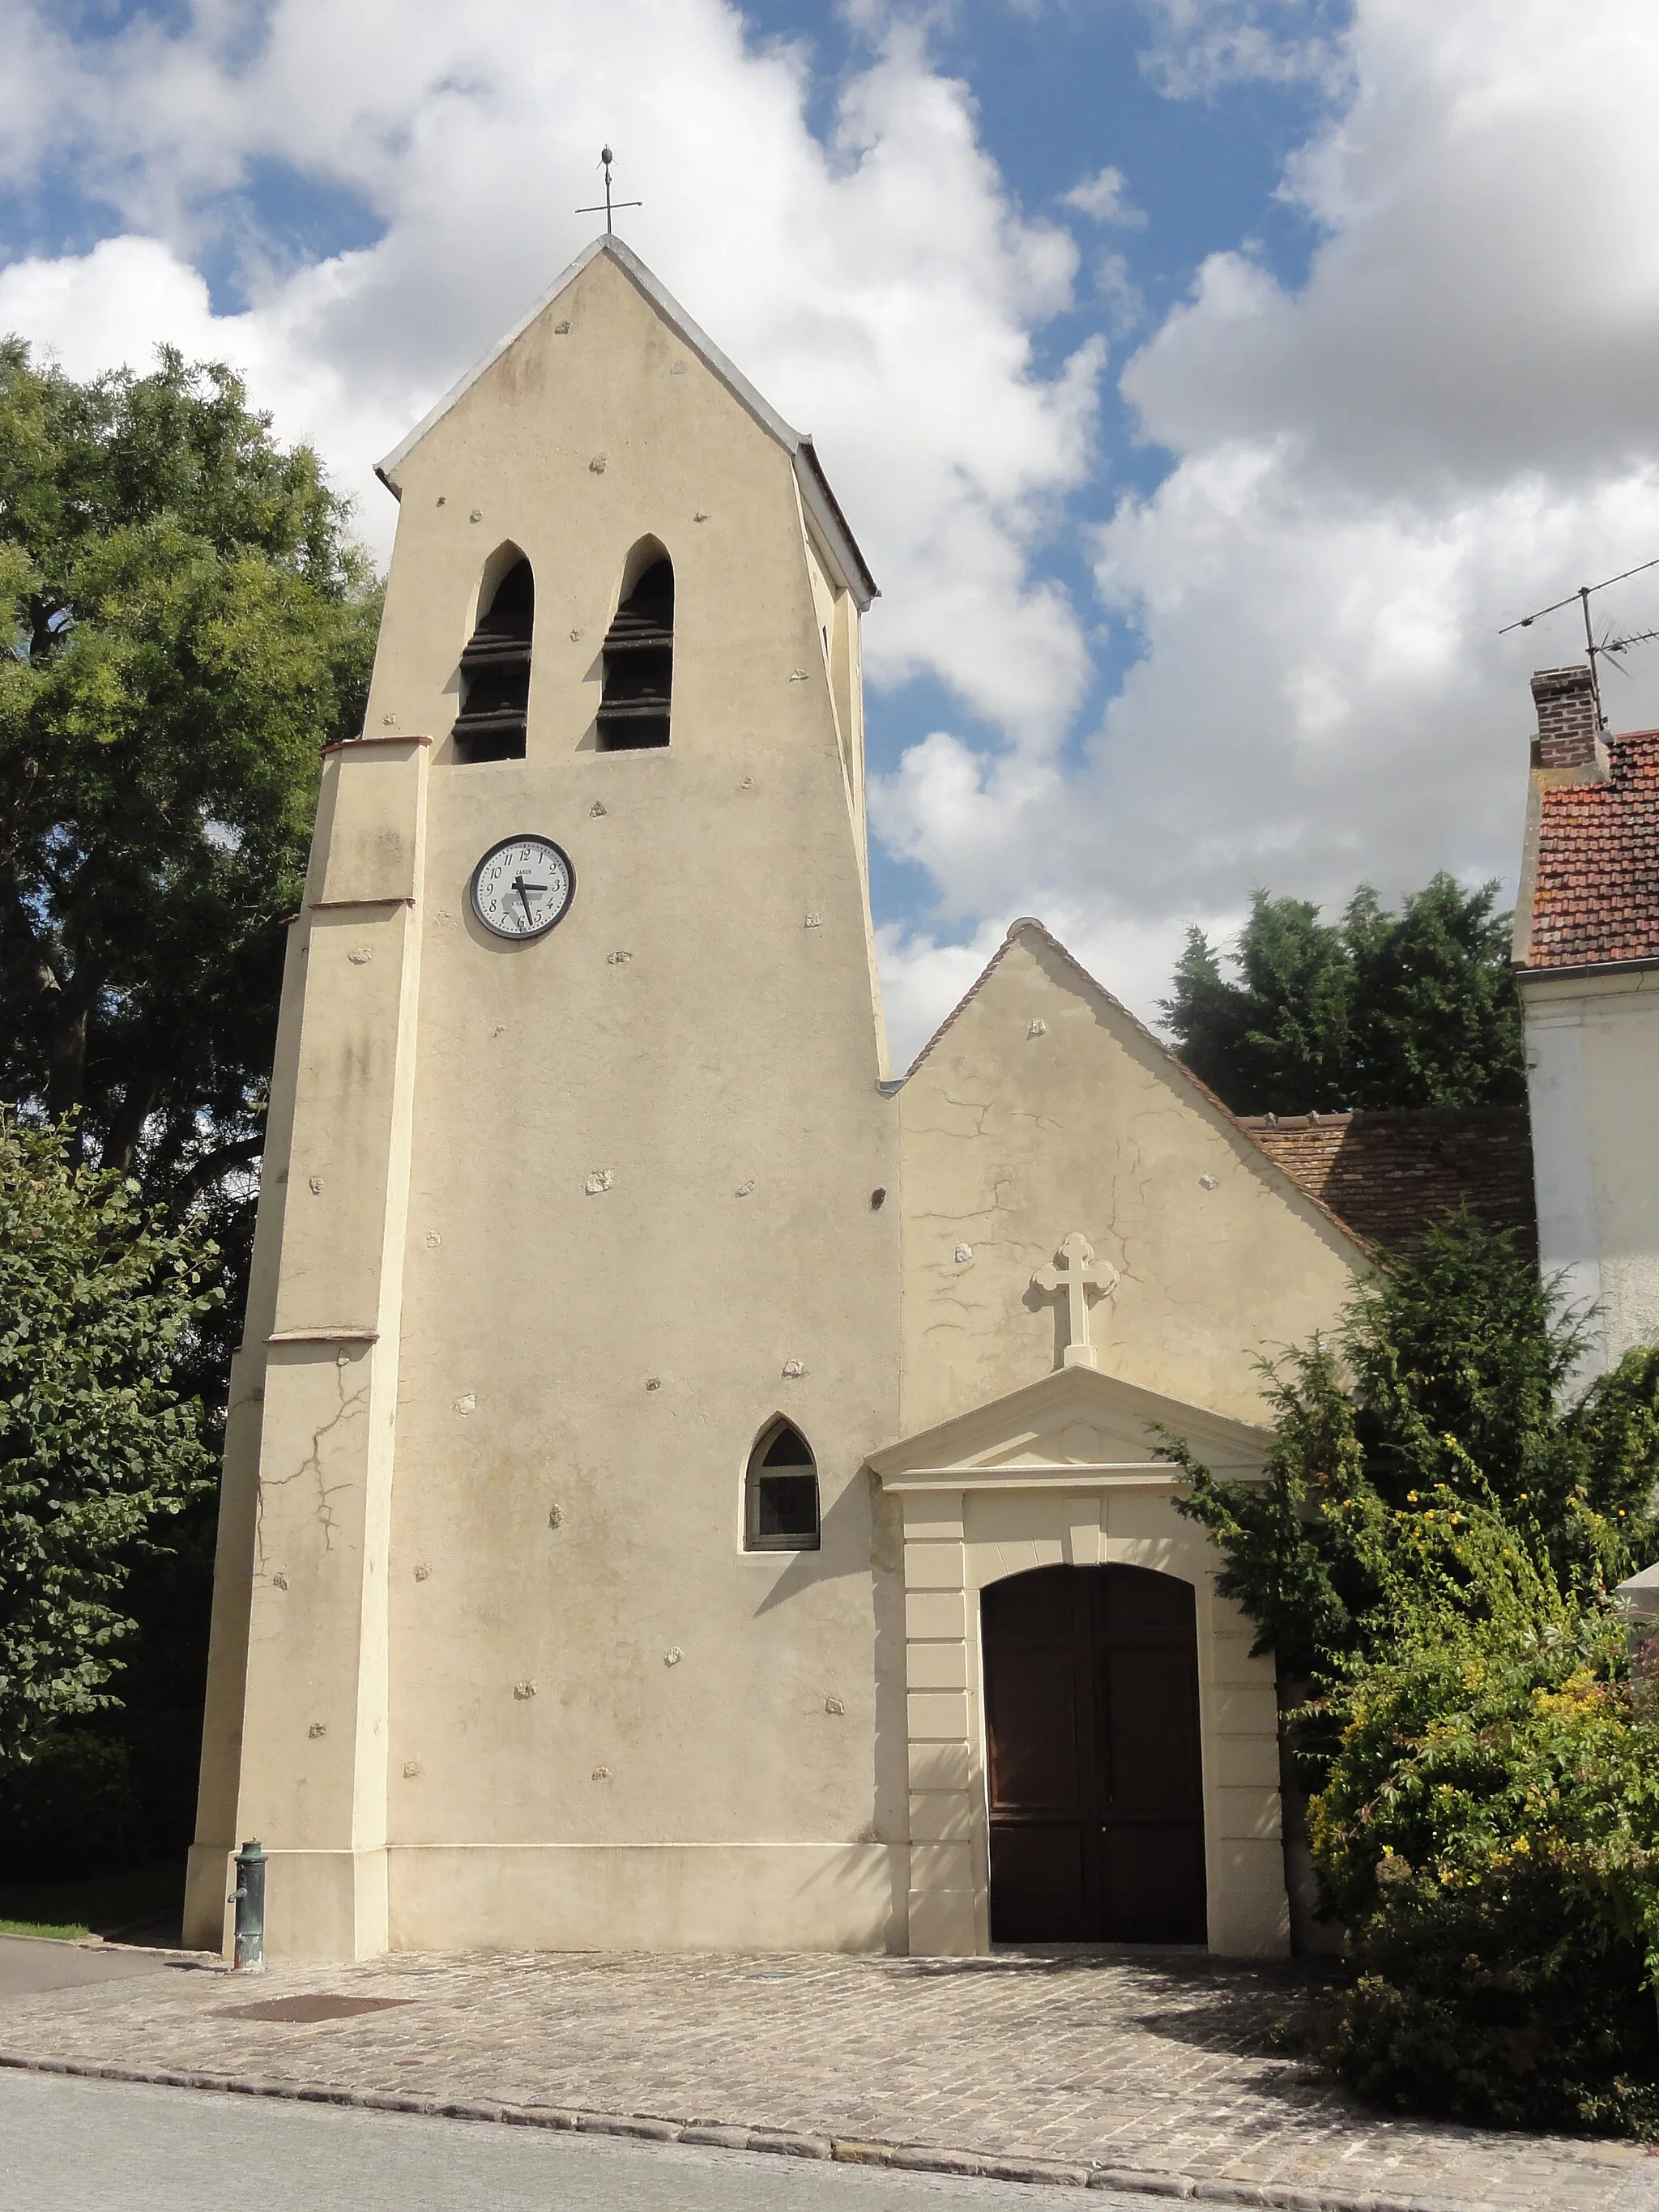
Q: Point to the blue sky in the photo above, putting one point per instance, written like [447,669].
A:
[1060,93]
[1198,501]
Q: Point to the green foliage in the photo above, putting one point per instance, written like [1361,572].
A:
[1430,1554]
[187,623]
[67,1808]
[1491,1834]
[1438,1397]
[99,1445]
[1381,1009]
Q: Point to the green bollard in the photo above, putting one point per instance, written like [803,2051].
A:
[249,1899]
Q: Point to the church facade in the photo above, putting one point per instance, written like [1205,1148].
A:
[684,1488]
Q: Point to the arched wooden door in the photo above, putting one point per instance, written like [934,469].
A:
[1097,1795]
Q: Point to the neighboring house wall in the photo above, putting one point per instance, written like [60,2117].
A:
[1587,961]
[1592,1076]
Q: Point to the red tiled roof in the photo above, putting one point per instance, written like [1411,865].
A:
[1388,1175]
[1595,895]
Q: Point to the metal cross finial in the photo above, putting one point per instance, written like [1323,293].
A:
[1075,1274]
[606,157]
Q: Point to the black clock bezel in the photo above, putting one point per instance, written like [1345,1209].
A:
[522,936]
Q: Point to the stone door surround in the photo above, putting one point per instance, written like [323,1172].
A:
[1062,1473]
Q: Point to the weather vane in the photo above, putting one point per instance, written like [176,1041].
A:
[606,158]
[1610,646]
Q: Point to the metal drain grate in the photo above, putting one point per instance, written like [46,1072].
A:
[321,2006]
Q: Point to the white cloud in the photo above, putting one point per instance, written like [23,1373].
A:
[882,289]
[1118,295]
[1450,422]
[129,295]
[1103,198]
[1198,47]
[921,980]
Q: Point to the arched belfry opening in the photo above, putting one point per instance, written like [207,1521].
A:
[639,655]
[780,1492]
[1094,1758]
[496,671]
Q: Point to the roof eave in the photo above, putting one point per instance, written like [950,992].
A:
[823,510]
[1578,971]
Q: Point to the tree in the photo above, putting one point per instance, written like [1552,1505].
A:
[188,623]
[99,1444]
[1381,1009]
[1429,1557]
[1440,1399]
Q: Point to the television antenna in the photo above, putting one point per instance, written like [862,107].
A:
[606,157]
[1609,647]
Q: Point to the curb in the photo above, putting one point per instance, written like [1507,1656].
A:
[846,2150]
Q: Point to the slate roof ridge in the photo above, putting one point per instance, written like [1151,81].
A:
[1029,924]
[820,501]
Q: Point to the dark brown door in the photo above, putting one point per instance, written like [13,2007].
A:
[1097,1791]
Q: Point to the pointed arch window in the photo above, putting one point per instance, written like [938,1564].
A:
[495,672]
[780,1493]
[639,662]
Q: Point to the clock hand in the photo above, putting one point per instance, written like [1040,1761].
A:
[521,887]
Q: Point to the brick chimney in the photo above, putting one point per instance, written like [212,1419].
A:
[1568,733]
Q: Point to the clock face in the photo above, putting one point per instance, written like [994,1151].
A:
[522,886]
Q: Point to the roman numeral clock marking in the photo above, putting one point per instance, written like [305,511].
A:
[523,887]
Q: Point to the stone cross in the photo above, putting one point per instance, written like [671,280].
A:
[1075,1272]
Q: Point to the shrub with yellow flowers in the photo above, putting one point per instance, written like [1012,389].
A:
[1489,1830]
[1429,1560]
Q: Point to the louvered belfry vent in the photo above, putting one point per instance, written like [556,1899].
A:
[639,664]
[496,673]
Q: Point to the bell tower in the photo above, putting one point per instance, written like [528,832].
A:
[573,1205]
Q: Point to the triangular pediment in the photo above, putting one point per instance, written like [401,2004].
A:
[1064,965]
[1076,1426]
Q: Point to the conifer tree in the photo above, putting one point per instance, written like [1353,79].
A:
[1381,1009]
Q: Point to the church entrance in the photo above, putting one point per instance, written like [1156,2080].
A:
[1096,1798]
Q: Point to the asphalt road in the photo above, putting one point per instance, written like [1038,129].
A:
[68,2145]
[31,1963]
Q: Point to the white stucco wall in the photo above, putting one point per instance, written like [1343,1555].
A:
[555,1229]
[1593,1084]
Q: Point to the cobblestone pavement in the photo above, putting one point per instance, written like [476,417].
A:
[1150,2063]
